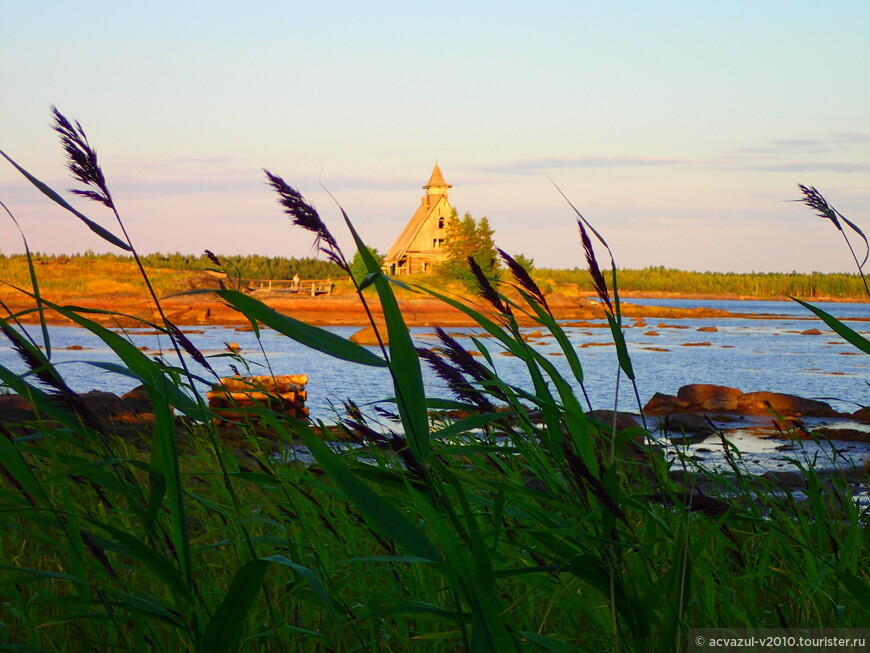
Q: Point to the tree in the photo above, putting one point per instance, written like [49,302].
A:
[358,268]
[469,237]
[528,264]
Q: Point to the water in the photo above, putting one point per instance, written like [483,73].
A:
[748,353]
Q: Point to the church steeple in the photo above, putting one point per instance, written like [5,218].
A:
[437,185]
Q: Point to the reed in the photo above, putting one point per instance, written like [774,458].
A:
[506,519]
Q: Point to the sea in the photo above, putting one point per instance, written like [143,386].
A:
[762,347]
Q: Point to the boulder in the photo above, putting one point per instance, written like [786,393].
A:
[710,329]
[842,434]
[137,401]
[662,404]
[760,403]
[368,337]
[15,409]
[698,393]
[103,404]
[811,332]
[623,420]
[687,423]
[722,404]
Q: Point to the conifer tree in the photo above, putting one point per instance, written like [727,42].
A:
[469,237]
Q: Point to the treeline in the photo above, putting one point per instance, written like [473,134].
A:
[651,279]
[250,266]
[751,284]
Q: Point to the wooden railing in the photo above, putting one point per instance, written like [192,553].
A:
[297,287]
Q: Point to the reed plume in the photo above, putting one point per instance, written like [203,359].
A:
[597,278]
[59,391]
[210,255]
[304,215]
[189,347]
[487,291]
[524,279]
[457,383]
[814,200]
[82,159]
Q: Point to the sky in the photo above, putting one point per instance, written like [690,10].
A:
[680,130]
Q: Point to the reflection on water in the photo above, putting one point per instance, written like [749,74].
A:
[747,353]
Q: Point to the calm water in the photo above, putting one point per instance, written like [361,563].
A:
[749,353]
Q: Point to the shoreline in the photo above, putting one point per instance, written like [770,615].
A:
[130,311]
[657,294]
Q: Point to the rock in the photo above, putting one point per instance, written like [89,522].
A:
[639,322]
[103,404]
[760,403]
[623,420]
[137,401]
[723,404]
[696,344]
[862,415]
[651,333]
[662,404]
[811,332]
[687,423]
[367,337]
[787,478]
[696,394]
[233,347]
[711,329]
[842,434]
[15,409]
[74,347]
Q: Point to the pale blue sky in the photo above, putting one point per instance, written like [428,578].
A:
[680,129]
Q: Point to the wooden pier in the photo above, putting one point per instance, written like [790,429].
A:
[310,287]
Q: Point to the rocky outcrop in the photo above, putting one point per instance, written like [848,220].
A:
[708,398]
[117,414]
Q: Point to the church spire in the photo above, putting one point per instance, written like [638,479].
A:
[437,185]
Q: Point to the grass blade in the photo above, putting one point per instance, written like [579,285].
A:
[846,333]
[310,336]
[226,626]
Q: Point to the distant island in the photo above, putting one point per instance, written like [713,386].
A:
[111,282]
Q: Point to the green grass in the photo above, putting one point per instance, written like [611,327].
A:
[504,520]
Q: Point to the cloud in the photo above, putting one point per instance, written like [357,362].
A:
[824,145]
[529,166]
[812,166]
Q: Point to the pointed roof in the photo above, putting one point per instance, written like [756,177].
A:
[437,179]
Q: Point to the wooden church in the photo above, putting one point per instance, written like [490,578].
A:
[421,244]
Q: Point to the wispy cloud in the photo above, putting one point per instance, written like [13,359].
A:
[535,166]
[844,142]
[808,166]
